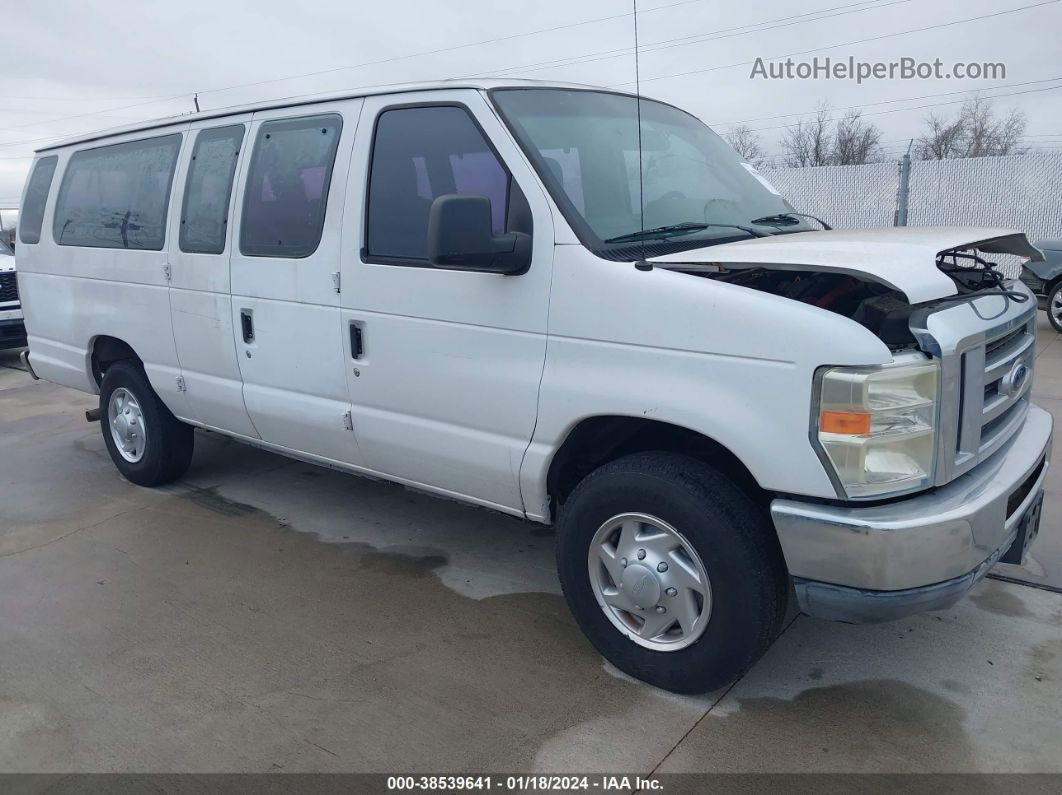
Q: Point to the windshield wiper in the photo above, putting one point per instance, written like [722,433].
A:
[676,230]
[788,219]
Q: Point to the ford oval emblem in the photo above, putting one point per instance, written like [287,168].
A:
[641,585]
[1014,381]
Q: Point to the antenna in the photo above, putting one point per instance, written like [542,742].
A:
[638,106]
[195,99]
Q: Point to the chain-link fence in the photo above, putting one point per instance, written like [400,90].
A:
[1021,192]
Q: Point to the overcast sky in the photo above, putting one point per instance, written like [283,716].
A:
[70,67]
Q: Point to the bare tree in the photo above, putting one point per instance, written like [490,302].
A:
[942,138]
[978,127]
[807,143]
[976,131]
[817,141]
[1009,133]
[747,144]
[855,140]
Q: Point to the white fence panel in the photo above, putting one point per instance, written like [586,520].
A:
[843,196]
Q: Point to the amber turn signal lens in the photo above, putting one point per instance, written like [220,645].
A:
[851,422]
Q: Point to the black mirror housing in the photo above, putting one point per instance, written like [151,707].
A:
[460,238]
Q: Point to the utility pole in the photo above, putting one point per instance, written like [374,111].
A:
[904,192]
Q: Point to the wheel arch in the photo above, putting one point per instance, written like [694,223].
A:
[597,440]
[1051,283]
[105,350]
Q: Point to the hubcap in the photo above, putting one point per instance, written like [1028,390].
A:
[649,581]
[1056,306]
[127,425]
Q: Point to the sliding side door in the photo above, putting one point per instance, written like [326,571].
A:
[285,279]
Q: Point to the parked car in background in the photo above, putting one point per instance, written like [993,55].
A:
[12,328]
[1044,278]
[474,288]
[8,224]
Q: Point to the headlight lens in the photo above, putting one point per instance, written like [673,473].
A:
[877,426]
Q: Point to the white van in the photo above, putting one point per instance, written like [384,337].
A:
[511,294]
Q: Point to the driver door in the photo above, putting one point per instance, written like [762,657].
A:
[443,365]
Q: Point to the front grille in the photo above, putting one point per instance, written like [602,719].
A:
[994,346]
[982,345]
[993,395]
[1004,401]
[8,287]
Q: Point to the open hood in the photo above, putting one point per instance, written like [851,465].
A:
[903,258]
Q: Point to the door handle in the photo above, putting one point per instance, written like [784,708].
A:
[247,325]
[357,344]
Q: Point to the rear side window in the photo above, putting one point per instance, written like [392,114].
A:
[205,210]
[287,186]
[116,196]
[419,154]
[32,215]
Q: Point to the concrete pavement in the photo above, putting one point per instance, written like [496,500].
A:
[1044,565]
[268,615]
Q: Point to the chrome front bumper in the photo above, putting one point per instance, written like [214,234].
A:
[887,561]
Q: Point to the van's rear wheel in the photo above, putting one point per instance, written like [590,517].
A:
[671,570]
[146,442]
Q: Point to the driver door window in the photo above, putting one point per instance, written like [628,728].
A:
[418,155]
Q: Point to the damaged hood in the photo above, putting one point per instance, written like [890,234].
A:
[903,258]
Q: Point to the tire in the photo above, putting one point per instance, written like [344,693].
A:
[1054,306]
[164,443]
[748,580]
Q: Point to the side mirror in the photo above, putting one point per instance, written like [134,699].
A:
[460,238]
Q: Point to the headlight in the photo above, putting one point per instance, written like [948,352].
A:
[876,426]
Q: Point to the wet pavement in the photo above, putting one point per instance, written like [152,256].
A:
[1044,565]
[268,615]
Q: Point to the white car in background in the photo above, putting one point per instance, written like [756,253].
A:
[12,327]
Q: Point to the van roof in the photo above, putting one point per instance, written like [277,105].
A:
[313,99]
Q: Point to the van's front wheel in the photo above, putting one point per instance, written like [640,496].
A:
[147,443]
[671,571]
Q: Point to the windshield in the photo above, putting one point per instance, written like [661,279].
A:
[585,145]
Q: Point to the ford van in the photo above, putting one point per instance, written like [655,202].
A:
[571,305]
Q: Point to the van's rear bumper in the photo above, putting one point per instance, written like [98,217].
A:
[882,562]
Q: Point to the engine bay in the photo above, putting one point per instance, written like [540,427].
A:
[877,307]
[883,311]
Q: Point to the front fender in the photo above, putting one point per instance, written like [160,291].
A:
[1048,269]
[727,362]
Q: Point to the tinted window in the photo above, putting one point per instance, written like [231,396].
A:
[32,215]
[116,196]
[287,186]
[205,211]
[419,154]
